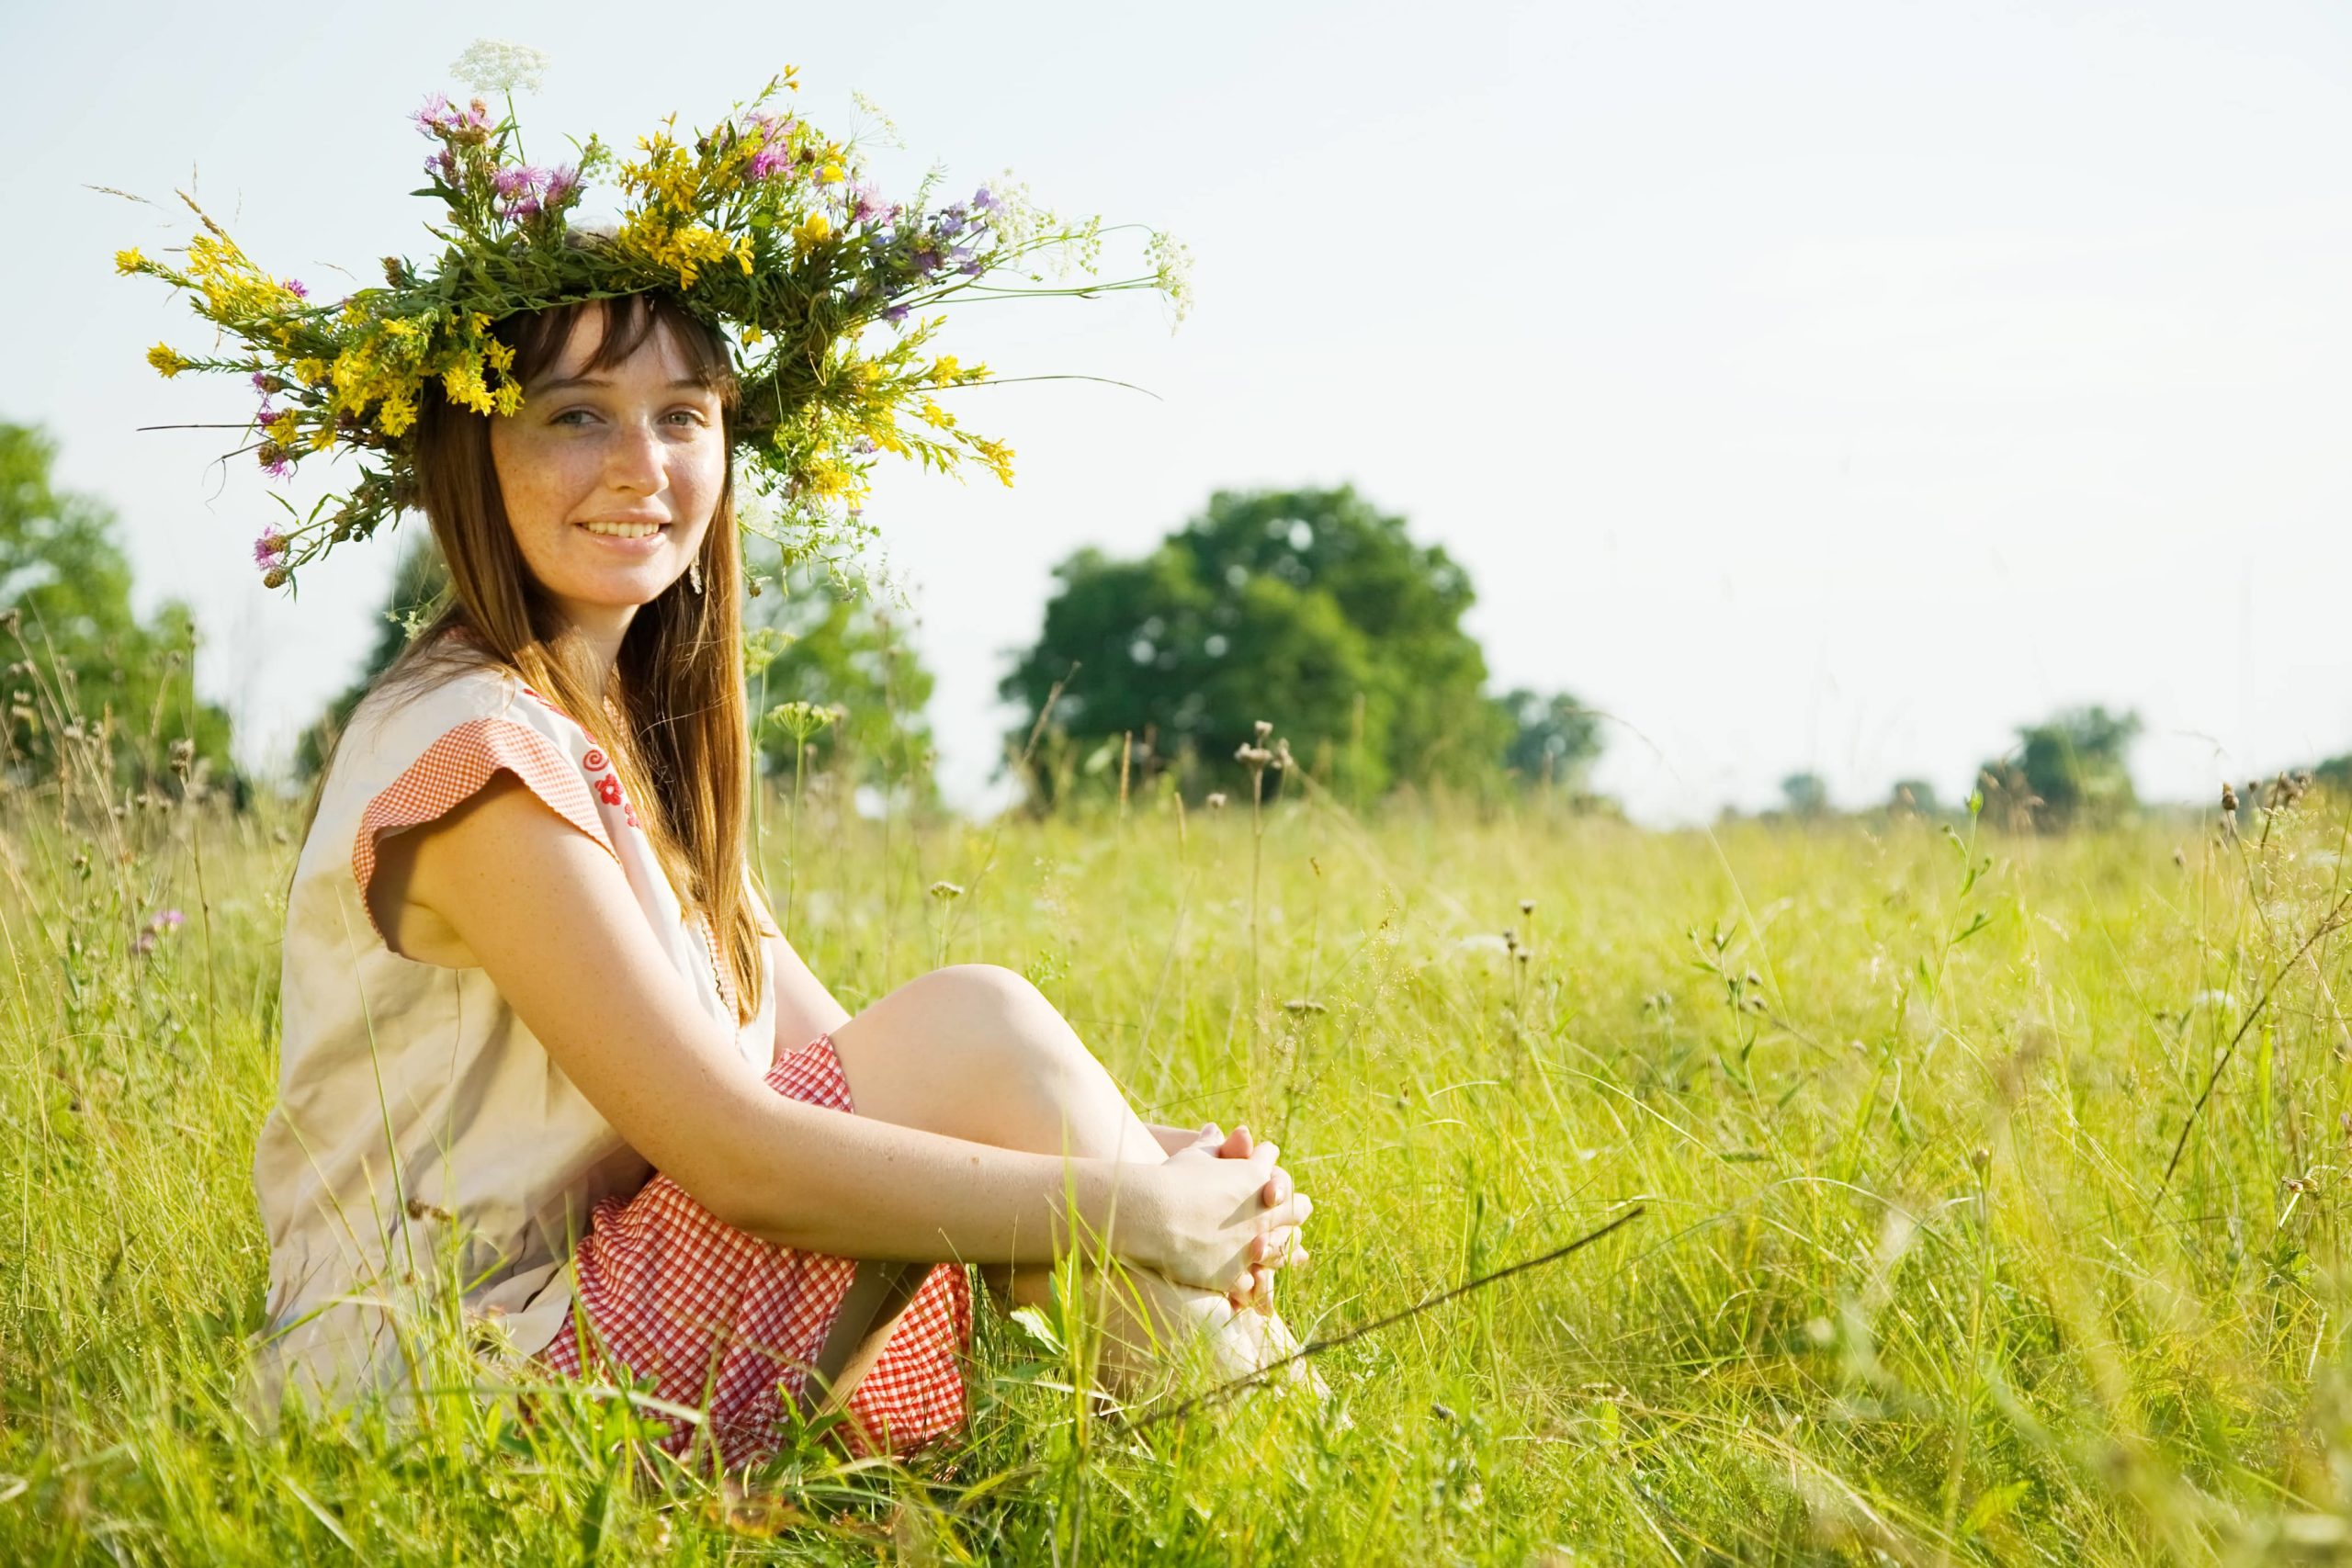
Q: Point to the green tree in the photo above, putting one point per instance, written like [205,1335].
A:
[88,659]
[1912,798]
[2070,770]
[1307,608]
[823,642]
[1807,796]
[1556,739]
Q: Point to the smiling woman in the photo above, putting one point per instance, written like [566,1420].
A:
[546,1056]
[610,1092]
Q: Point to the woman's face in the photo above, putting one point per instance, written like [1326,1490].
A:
[610,477]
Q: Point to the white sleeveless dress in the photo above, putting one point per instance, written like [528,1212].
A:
[415,1111]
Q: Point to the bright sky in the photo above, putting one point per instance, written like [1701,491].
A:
[1807,385]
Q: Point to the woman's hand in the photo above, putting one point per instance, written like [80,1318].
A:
[1237,1147]
[1223,1215]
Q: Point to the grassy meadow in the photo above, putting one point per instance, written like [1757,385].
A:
[1916,1279]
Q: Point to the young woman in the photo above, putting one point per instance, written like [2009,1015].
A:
[526,969]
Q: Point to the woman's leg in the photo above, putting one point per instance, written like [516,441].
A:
[974,1052]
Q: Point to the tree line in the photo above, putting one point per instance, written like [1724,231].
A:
[1311,610]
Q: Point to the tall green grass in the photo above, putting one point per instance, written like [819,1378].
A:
[1911,1285]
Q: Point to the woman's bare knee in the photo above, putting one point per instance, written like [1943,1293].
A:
[975,1051]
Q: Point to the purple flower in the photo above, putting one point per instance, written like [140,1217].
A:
[865,204]
[279,468]
[926,259]
[270,550]
[294,286]
[985,200]
[951,223]
[261,383]
[434,115]
[895,314]
[526,192]
[866,447]
[163,923]
[966,261]
[264,414]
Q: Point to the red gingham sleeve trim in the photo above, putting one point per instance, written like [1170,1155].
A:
[457,764]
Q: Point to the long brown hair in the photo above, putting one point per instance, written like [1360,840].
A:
[672,715]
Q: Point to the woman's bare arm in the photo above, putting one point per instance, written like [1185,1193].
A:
[550,916]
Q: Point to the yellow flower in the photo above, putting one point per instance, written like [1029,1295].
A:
[311,370]
[939,418]
[464,384]
[130,260]
[753,336]
[944,370]
[815,227]
[398,414]
[281,429]
[997,456]
[166,359]
[508,397]
[831,174]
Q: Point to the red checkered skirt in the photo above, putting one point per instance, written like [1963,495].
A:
[728,1323]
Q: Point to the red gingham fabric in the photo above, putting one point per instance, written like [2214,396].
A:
[453,768]
[728,1323]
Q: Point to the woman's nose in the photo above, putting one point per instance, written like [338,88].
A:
[633,459]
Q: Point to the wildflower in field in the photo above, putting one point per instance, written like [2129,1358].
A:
[161,924]
[946,890]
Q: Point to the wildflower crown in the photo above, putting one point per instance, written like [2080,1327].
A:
[762,226]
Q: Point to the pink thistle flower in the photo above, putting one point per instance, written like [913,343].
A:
[270,550]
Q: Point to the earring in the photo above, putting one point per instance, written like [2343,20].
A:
[693,575]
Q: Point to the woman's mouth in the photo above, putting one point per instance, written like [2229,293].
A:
[624,530]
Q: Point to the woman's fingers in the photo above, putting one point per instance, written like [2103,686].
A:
[1275,1247]
[1292,1211]
[1278,1187]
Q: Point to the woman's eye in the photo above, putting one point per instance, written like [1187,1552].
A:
[566,417]
[688,415]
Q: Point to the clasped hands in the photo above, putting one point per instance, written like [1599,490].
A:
[1271,1232]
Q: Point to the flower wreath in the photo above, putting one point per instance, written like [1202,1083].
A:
[762,225]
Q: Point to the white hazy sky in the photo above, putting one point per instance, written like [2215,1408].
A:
[1812,385]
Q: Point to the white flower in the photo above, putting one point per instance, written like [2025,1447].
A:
[882,117]
[1016,220]
[1172,271]
[495,65]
